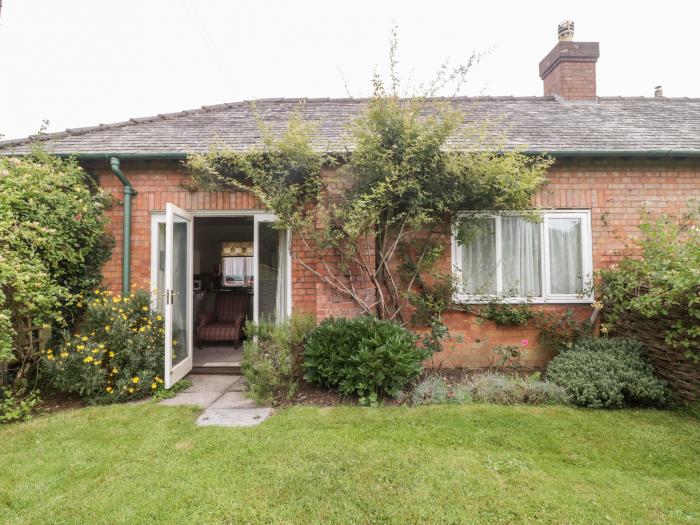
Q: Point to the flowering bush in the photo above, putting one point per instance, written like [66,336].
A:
[117,355]
[52,247]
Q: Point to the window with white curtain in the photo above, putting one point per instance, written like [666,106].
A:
[513,258]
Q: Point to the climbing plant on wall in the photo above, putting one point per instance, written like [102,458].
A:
[374,223]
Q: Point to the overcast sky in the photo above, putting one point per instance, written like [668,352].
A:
[83,62]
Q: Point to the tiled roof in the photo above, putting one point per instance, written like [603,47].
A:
[533,123]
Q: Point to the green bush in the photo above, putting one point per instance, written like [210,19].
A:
[662,284]
[270,353]
[607,373]
[495,388]
[52,247]
[13,408]
[117,355]
[365,356]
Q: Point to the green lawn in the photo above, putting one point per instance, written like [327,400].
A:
[450,464]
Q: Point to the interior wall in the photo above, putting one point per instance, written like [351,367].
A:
[210,232]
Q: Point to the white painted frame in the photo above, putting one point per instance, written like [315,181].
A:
[172,374]
[257,219]
[547,297]
[158,217]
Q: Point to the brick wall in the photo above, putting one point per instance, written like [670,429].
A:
[614,191]
[572,81]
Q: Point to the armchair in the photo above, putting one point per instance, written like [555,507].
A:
[225,323]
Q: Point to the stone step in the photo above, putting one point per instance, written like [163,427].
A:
[218,368]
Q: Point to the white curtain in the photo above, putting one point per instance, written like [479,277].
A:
[281,303]
[521,260]
[566,274]
[479,260]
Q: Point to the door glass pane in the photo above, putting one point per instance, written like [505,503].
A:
[520,252]
[565,255]
[479,259]
[160,268]
[180,279]
[269,275]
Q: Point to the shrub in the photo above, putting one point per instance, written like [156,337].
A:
[13,408]
[489,387]
[52,247]
[661,285]
[607,373]
[117,355]
[365,356]
[432,390]
[269,357]
[502,389]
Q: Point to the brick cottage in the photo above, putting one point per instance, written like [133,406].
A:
[615,156]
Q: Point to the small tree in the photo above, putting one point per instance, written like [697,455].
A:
[375,226]
[52,247]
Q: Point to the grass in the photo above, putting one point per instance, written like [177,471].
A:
[438,464]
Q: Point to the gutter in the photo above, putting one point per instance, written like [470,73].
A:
[665,153]
[129,191]
[652,153]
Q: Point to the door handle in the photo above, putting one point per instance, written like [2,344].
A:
[169,296]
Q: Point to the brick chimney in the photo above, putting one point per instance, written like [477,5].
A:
[568,71]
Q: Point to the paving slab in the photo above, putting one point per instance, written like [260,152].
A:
[234,417]
[241,385]
[233,400]
[211,382]
[200,399]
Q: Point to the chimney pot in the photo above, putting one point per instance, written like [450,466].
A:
[565,31]
[658,91]
[568,71]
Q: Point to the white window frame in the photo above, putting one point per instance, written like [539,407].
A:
[547,297]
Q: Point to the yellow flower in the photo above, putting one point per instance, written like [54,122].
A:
[115,370]
[84,338]
[117,299]
[159,318]
[107,328]
[142,329]
[174,342]
[97,363]
[154,386]
[88,359]
[109,389]
[101,345]
[97,292]
[135,379]
[144,308]
[112,354]
[80,348]
[158,380]
[49,357]
[95,350]
[131,390]
[64,354]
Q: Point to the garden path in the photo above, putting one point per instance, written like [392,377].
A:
[223,400]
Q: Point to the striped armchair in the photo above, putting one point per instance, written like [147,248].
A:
[225,323]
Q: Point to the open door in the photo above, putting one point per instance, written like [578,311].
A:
[177,297]
[271,295]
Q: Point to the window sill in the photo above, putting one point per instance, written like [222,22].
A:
[573,299]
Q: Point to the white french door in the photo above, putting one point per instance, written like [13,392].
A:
[177,294]
[271,291]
